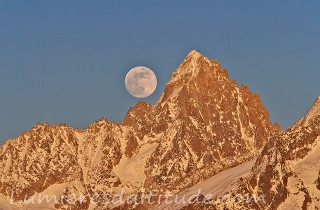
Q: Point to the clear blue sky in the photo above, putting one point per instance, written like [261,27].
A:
[65,61]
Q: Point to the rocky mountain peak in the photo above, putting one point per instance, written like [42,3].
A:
[103,124]
[190,67]
[203,123]
[138,113]
[313,112]
[194,54]
[194,76]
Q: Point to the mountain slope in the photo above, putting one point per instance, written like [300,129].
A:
[203,123]
[215,185]
[287,173]
[213,124]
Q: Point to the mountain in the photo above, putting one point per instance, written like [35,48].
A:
[311,114]
[202,119]
[286,173]
[202,124]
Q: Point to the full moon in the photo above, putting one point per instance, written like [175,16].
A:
[140,82]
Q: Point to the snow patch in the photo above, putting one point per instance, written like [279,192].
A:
[131,171]
[216,185]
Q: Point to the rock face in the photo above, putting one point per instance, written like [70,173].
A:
[286,173]
[203,123]
[204,119]
[311,114]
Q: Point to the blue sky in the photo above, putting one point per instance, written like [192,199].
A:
[65,61]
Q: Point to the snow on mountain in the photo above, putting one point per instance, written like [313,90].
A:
[208,123]
[131,170]
[215,185]
[312,113]
[286,174]
[202,124]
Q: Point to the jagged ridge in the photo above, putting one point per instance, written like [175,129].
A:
[202,123]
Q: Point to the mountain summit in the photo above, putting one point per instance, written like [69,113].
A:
[203,123]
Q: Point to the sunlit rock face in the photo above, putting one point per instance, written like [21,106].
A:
[207,123]
[286,172]
[203,123]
